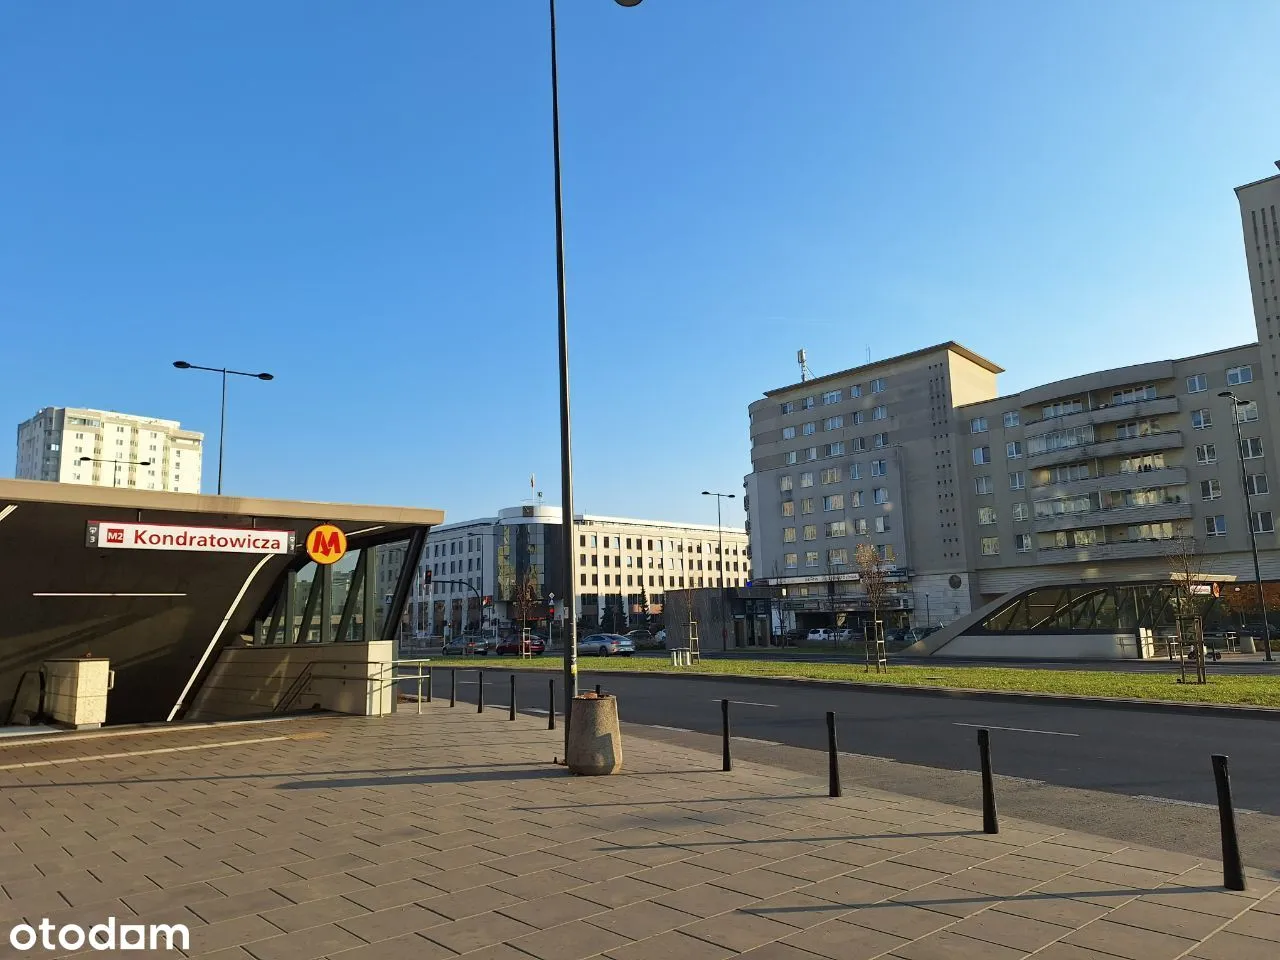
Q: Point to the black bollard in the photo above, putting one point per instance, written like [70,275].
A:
[990,824]
[833,759]
[512,714]
[597,689]
[726,757]
[551,704]
[1232,865]
[453,686]
[480,693]
[428,684]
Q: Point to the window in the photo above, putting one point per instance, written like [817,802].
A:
[860,526]
[1210,489]
[986,515]
[1144,464]
[791,458]
[884,551]
[1239,375]
[981,455]
[1134,394]
[811,453]
[855,471]
[788,534]
[1201,419]
[880,413]
[1059,440]
[882,524]
[831,396]
[879,468]
[811,558]
[833,423]
[834,449]
[1013,449]
[1012,418]
[978,425]
[838,557]
[1256,484]
[837,528]
[807,403]
[859,417]
[833,502]
[1215,526]
[982,485]
[810,428]
[831,475]
[1246,412]
[1061,409]
[806,480]
[788,433]
[858,445]
[990,546]
[1206,453]
[1197,383]
[855,391]
[877,385]
[1017,480]
[784,486]
[881,495]
[1020,511]
[1251,448]
[880,440]
[1022,541]
[788,407]
[789,560]
[1262,522]
[855,498]
[806,505]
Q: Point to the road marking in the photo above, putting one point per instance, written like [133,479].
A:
[748,703]
[658,726]
[1005,776]
[767,743]
[987,726]
[1189,803]
[541,710]
[146,753]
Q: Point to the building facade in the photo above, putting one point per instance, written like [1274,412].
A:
[124,450]
[497,571]
[968,495]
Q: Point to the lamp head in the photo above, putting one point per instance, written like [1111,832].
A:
[627,3]
[706,493]
[85,459]
[732,496]
[266,376]
[182,365]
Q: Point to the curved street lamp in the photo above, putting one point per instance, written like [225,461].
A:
[222,421]
[115,471]
[724,625]
[1236,404]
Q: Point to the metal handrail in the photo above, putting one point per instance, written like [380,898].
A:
[294,689]
[17,693]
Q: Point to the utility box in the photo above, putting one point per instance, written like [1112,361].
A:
[76,691]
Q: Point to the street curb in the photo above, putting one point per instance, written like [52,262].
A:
[1222,711]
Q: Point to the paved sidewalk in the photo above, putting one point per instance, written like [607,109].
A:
[452,834]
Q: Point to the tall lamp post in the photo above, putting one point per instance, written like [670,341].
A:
[1236,404]
[724,626]
[222,420]
[115,471]
[570,632]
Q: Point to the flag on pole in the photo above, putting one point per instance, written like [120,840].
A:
[531,481]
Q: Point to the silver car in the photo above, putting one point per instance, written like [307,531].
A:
[606,645]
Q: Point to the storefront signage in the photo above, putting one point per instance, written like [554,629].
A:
[115,535]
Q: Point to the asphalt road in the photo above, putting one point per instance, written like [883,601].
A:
[1080,767]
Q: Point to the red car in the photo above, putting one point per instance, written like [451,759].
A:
[511,646]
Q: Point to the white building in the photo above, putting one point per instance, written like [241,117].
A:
[122,450]
[478,567]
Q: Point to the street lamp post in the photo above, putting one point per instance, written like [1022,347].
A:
[724,625]
[570,632]
[1236,404]
[115,470]
[222,420]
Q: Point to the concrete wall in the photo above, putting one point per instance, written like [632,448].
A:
[1081,646]
[249,681]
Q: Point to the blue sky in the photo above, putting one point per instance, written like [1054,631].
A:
[357,198]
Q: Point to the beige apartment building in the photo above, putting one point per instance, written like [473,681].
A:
[968,495]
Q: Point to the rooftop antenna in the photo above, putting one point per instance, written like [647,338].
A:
[805,372]
[868,353]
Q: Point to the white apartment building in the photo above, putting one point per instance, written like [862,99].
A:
[479,566]
[108,449]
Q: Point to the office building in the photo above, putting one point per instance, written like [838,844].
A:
[123,450]
[503,569]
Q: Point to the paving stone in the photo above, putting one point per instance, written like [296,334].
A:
[392,894]
[569,941]
[620,891]
[1131,943]
[482,930]
[1233,946]
[552,911]
[760,883]
[321,888]
[1169,919]
[640,920]
[313,913]
[238,905]
[1009,930]
[946,945]
[392,922]
[796,909]
[242,931]
[837,940]
[307,944]
[1060,910]
[671,946]
[705,900]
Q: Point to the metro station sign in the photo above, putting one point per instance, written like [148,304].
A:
[113,535]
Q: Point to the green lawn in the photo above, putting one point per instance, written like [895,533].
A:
[1221,689]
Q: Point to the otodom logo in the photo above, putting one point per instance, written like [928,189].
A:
[326,544]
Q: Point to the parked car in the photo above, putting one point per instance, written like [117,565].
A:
[467,645]
[606,645]
[644,640]
[511,646]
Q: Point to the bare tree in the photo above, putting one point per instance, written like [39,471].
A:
[1188,566]
[873,576]
[526,599]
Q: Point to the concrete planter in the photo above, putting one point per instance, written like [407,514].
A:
[595,740]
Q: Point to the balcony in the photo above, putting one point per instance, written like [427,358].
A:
[1124,550]
[1166,477]
[1155,513]
[1112,413]
[1133,446]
